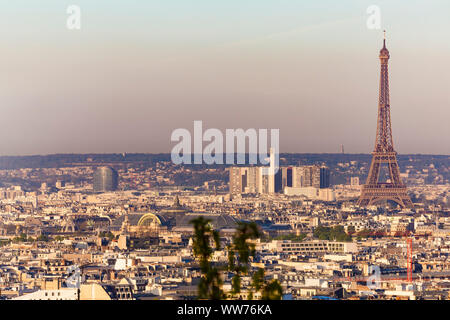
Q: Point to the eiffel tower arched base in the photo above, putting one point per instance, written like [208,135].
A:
[374,194]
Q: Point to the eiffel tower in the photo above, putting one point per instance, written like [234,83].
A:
[393,189]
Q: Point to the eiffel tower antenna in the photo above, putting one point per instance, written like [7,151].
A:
[374,191]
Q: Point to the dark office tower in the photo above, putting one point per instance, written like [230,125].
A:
[244,176]
[289,177]
[286,173]
[279,180]
[105,179]
[324,177]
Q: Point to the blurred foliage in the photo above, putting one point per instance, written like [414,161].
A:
[210,285]
[336,233]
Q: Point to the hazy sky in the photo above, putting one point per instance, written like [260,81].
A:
[137,70]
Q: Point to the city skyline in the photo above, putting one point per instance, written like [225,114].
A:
[134,73]
[206,158]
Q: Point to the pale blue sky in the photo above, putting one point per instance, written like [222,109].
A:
[139,69]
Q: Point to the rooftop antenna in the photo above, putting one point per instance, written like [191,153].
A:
[384,38]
